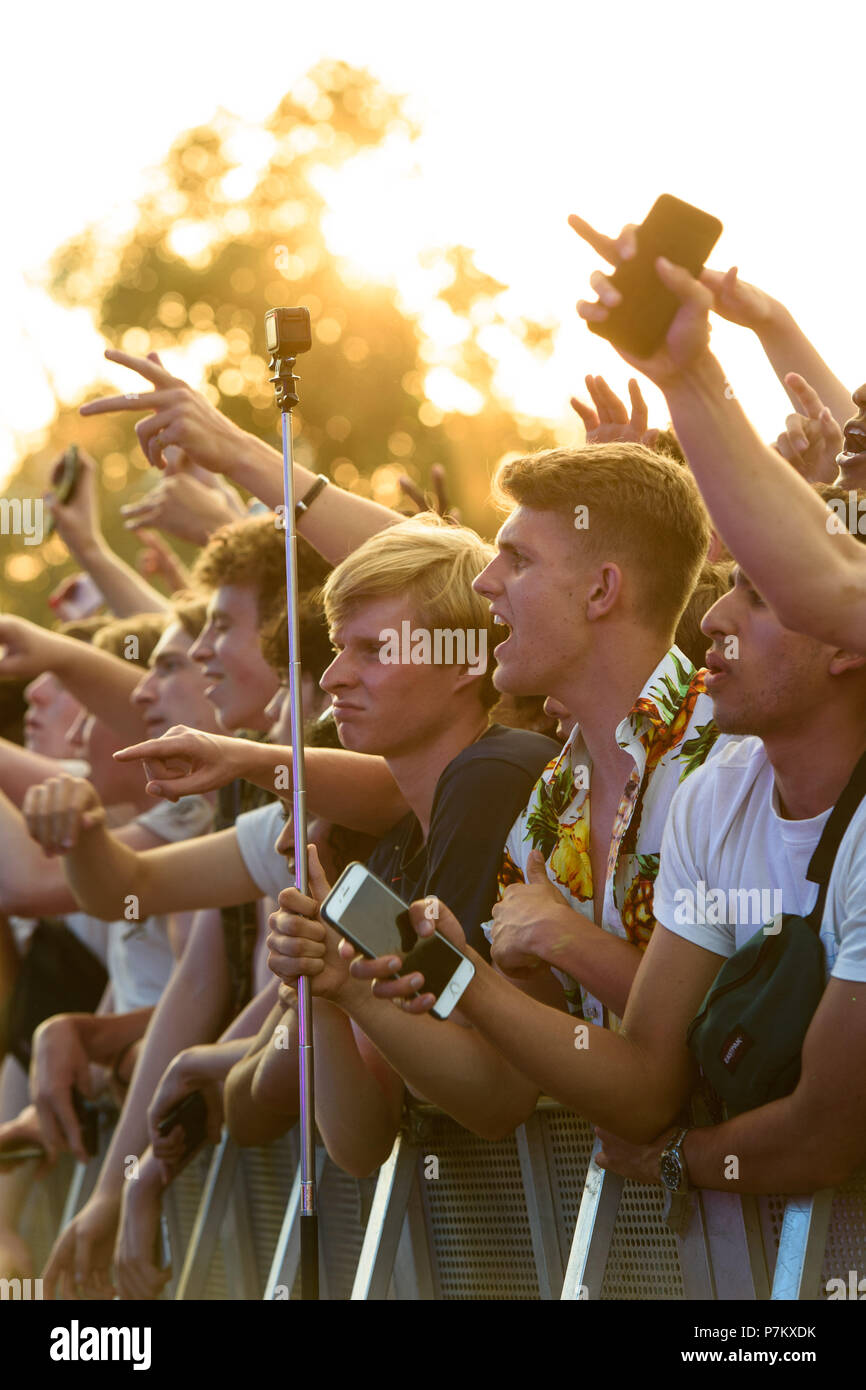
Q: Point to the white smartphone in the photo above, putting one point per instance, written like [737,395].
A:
[361,908]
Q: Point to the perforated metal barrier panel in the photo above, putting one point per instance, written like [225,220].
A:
[846,1240]
[477,1218]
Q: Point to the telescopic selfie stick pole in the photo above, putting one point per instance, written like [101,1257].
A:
[287,334]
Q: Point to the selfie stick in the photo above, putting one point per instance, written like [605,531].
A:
[288,333]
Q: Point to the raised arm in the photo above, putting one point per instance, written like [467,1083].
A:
[179,416]
[77,523]
[351,789]
[797,555]
[113,880]
[783,340]
[101,682]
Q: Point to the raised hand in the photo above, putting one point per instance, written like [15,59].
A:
[737,301]
[185,505]
[25,648]
[811,440]
[441,505]
[610,420]
[58,811]
[178,416]
[688,337]
[77,521]
[157,557]
[183,761]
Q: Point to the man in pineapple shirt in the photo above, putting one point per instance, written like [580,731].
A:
[595,565]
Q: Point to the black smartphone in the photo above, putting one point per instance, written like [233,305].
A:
[686,236]
[191,1114]
[365,911]
[88,1121]
[64,481]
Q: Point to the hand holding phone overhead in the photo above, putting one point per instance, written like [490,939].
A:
[639,302]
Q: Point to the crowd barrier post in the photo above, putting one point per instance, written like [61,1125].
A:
[287,1253]
[802,1242]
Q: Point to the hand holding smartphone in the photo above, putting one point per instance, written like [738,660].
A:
[191,1114]
[365,911]
[64,481]
[685,236]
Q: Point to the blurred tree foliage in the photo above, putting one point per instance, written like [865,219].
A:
[213,248]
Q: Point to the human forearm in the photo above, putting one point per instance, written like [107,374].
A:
[602,1075]
[358,1113]
[449,1065]
[104,875]
[125,592]
[772,521]
[789,350]
[260,1096]
[101,682]
[31,883]
[191,1011]
[105,1036]
[603,963]
[21,768]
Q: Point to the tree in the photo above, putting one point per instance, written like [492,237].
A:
[203,260]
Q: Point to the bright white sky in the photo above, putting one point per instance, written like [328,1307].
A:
[528,112]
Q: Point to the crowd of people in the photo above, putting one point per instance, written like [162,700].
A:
[599,816]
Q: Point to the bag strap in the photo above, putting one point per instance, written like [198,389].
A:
[821,863]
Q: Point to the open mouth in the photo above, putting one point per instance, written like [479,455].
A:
[855,443]
[508,632]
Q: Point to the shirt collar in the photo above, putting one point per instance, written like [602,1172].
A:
[657,705]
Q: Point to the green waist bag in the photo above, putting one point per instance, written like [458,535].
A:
[748,1034]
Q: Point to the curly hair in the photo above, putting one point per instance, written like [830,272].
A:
[253,553]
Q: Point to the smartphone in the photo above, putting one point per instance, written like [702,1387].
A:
[361,908]
[686,236]
[88,1121]
[191,1114]
[77,597]
[64,481]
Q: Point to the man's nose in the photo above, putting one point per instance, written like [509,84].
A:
[340,673]
[202,648]
[37,692]
[144,691]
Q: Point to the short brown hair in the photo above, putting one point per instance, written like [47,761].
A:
[190,610]
[643,510]
[253,553]
[147,628]
[316,650]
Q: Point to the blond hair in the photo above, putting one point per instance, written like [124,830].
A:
[643,511]
[429,563]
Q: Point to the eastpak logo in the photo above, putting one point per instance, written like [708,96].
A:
[734,1049]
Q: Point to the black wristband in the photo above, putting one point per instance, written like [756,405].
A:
[310,496]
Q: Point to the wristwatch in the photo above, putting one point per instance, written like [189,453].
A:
[672,1164]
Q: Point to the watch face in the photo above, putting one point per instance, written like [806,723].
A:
[671,1170]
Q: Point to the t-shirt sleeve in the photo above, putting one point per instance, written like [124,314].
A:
[475,809]
[846,904]
[179,820]
[258,832]
[678,903]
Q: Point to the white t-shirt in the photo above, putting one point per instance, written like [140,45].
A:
[731,864]
[140,958]
[258,832]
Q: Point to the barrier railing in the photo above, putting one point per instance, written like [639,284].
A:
[452,1216]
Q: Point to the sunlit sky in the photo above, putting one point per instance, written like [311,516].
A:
[527,113]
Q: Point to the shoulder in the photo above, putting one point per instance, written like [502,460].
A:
[179,820]
[521,749]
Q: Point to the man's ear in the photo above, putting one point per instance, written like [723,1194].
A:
[842,661]
[605,589]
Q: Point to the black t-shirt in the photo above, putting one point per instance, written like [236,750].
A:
[476,802]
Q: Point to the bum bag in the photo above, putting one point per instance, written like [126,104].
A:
[748,1035]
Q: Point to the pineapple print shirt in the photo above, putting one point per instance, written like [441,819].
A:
[669,731]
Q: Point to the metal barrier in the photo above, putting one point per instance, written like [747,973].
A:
[455,1217]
